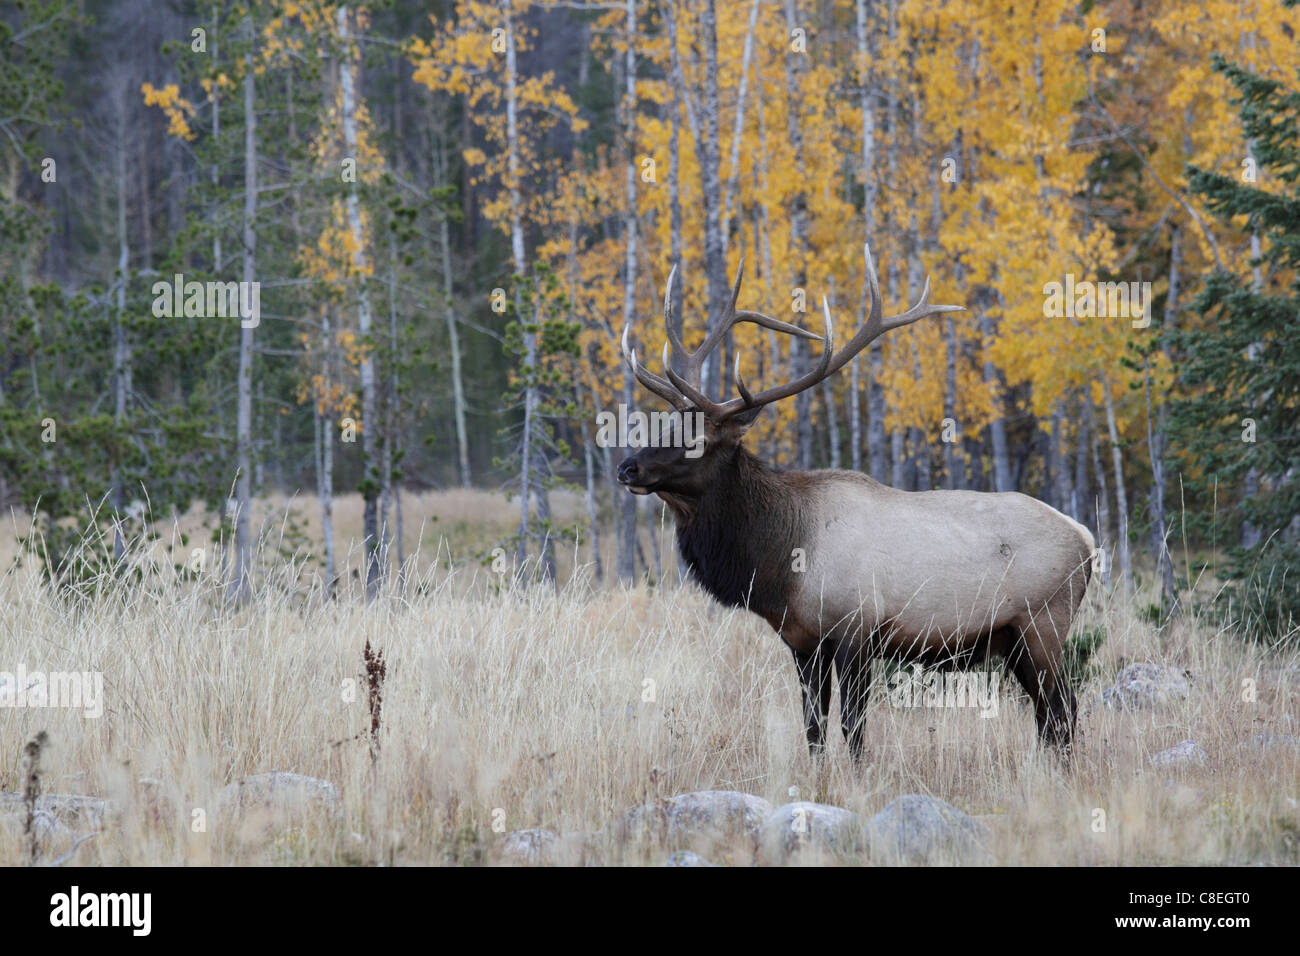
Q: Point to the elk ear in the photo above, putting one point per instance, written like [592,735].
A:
[747,417]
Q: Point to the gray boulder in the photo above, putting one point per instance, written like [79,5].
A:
[278,800]
[1146,686]
[703,813]
[48,828]
[70,809]
[687,858]
[534,847]
[810,826]
[1186,753]
[917,829]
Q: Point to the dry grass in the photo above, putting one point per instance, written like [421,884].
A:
[531,702]
[461,526]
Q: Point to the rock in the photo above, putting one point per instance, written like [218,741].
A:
[280,787]
[711,813]
[47,826]
[1269,741]
[916,829]
[686,858]
[1186,753]
[276,800]
[716,812]
[803,825]
[62,822]
[71,809]
[528,847]
[1144,686]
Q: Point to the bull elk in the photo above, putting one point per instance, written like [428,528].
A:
[941,578]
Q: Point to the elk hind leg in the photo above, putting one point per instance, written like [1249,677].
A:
[1037,660]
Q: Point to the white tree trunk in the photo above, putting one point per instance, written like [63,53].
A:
[998,427]
[876,454]
[369,411]
[1157,439]
[121,349]
[239,585]
[626,565]
[593,514]
[1103,491]
[1121,496]
[453,343]
[675,197]
[738,127]
[529,485]
[855,416]
[794,63]
[707,150]
[325,479]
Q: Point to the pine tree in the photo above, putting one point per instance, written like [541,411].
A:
[1240,379]
[104,409]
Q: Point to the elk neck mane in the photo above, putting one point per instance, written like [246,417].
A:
[737,537]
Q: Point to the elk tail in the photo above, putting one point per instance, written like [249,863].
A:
[1095,566]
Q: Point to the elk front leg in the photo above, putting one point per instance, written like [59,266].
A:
[854,667]
[815,682]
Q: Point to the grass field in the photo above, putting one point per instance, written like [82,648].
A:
[528,708]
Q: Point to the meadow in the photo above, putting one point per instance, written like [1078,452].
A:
[507,708]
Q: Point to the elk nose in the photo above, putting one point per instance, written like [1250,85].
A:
[627,471]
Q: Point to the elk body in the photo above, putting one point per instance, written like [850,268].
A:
[846,569]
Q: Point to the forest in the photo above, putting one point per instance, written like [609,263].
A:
[331,334]
[279,247]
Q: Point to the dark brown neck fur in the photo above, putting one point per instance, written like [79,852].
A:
[738,535]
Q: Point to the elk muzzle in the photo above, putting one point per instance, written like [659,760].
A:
[630,476]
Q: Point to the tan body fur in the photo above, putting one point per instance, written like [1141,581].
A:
[931,570]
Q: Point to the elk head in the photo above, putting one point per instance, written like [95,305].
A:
[683,469]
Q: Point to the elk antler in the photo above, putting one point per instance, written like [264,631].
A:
[683,390]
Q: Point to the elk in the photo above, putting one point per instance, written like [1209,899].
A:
[946,579]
